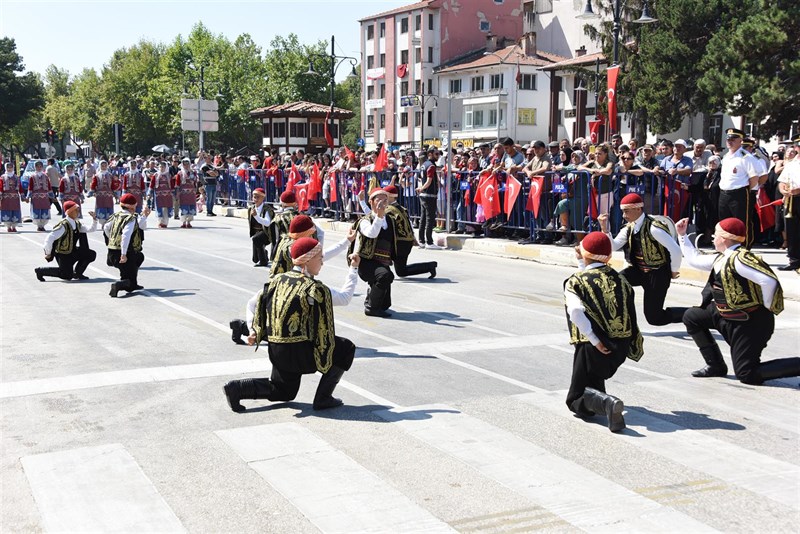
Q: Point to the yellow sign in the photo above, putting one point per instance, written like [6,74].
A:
[526,116]
[433,142]
[462,143]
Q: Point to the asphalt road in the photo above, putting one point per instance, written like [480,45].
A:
[113,417]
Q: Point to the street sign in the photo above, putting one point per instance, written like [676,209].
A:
[191,115]
[361,142]
[192,126]
[193,103]
[49,150]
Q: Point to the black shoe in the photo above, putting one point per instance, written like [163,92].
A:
[792,266]
[39,275]
[715,365]
[212,214]
[114,290]
[80,277]
[323,398]
[433,272]
[233,394]
[609,405]
[708,371]
[526,241]
[377,313]
[136,288]
[261,264]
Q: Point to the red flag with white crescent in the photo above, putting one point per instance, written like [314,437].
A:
[535,195]
[315,185]
[612,72]
[301,191]
[294,177]
[513,187]
[334,189]
[490,198]
[594,131]
[482,177]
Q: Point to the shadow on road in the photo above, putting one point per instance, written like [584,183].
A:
[430,318]
[687,420]
[153,268]
[168,293]
[367,353]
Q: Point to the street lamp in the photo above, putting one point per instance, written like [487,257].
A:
[588,14]
[335,62]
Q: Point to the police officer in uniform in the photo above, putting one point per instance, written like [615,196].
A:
[374,246]
[300,331]
[125,233]
[738,176]
[602,324]
[69,245]
[740,301]
[259,218]
[653,255]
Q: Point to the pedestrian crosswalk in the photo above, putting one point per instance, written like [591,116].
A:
[103,488]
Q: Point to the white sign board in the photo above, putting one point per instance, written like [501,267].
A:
[192,126]
[191,115]
[193,103]
[375,103]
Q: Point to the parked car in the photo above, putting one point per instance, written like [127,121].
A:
[30,168]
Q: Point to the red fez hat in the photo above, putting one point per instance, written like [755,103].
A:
[304,249]
[631,200]
[377,191]
[68,205]
[301,226]
[731,228]
[260,191]
[597,246]
[391,190]
[288,197]
[128,200]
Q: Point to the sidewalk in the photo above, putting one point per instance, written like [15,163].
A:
[564,256]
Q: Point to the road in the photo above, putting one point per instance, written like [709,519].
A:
[113,417]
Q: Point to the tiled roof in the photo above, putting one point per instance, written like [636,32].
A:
[510,55]
[579,61]
[301,108]
[404,9]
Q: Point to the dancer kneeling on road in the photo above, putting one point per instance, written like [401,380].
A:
[68,244]
[296,317]
[602,324]
[125,232]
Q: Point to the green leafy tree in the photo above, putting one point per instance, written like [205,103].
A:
[19,94]
[348,96]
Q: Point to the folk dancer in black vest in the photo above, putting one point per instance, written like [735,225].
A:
[602,323]
[280,223]
[403,239]
[374,245]
[125,232]
[740,301]
[301,226]
[738,176]
[653,255]
[259,218]
[300,332]
[69,245]
[70,188]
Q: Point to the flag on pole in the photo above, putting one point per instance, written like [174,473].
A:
[490,199]
[334,191]
[328,135]
[518,78]
[613,73]
[382,161]
[301,191]
[535,195]
[315,186]
[294,177]
[513,187]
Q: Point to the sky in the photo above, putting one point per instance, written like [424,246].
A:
[78,34]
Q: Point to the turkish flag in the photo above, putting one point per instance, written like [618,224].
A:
[490,198]
[316,183]
[334,192]
[594,131]
[382,161]
[294,177]
[328,136]
[535,195]
[482,177]
[467,200]
[301,191]
[612,72]
[766,213]
[512,192]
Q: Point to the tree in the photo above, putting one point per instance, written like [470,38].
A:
[286,65]
[19,95]
[348,96]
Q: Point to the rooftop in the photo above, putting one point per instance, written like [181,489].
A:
[578,61]
[300,109]
[509,55]
[404,9]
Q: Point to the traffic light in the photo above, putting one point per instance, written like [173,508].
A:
[50,135]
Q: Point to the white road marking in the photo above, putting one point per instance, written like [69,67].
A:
[96,489]
[630,366]
[570,491]
[761,474]
[331,489]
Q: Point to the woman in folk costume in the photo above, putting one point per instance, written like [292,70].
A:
[162,190]
[103,189]
[186,184]
[10,192]
[39,194]
[133,183]
[70,188]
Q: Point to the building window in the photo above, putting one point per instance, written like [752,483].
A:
[382,60]
[497,81]
[715,130]
[317,129]
[403,57]
[418,55]
[430,54]
[484,26]
[430,118]
[528,82]
[418,23]
[404,25]
[455,86]
[265,130]
[383,90]
[370,61]
[383,121]
[370,92]
[477,83]
[403,119]
[279,129]
[544,6]
[370,32]
[370,121]
[417,118]
[430,87]
[493,118]
[430,21]
[297,129]
[383,29]
[418,87]
[403,88]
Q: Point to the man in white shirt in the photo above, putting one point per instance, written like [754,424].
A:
[740,301]
[789,187]
[374,245]
[737,177]
[54,174]
[125,232]
[68,245]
